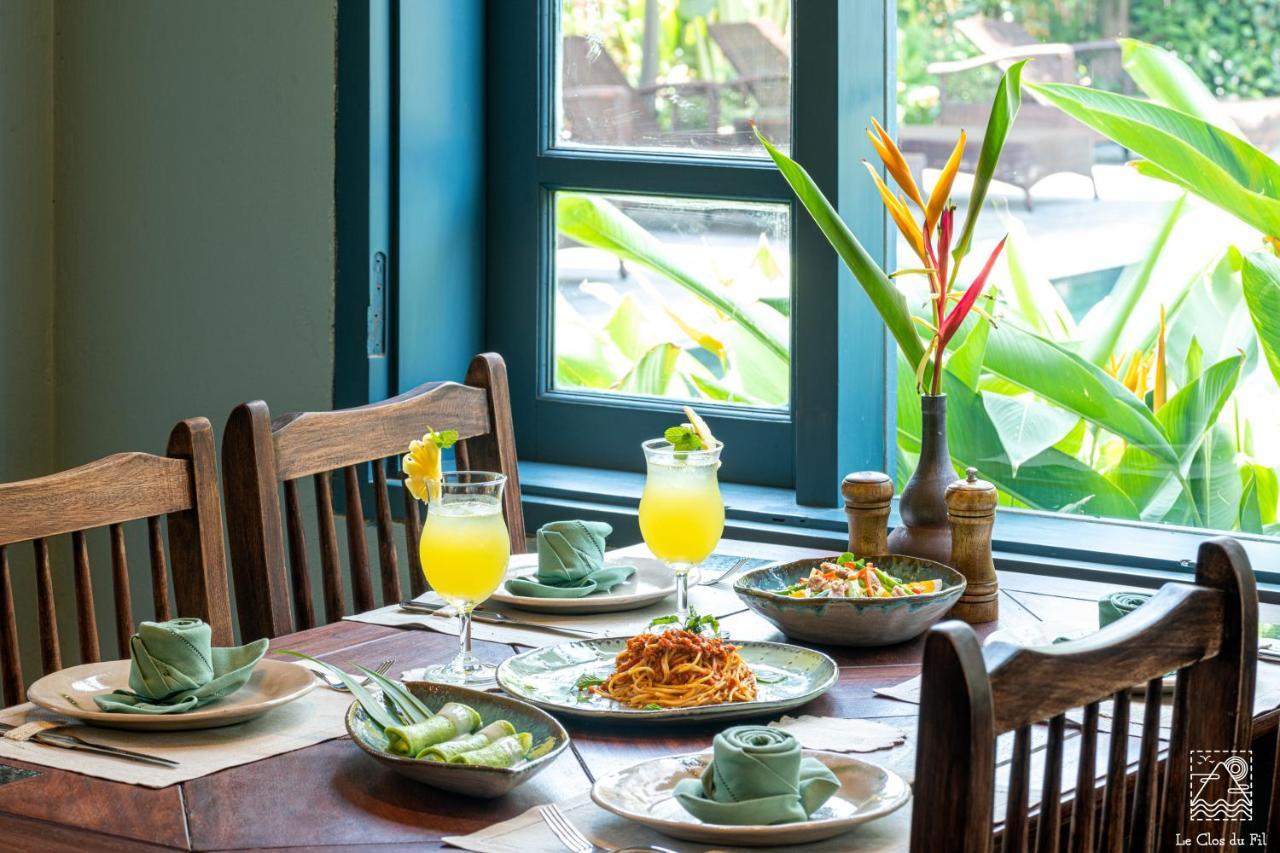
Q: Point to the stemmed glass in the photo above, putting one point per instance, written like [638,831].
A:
[465,549]
[681,511]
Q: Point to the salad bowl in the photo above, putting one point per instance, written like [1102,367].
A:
[472,780]
[843,621]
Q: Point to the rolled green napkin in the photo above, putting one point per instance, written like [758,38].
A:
[1112,607]
[453,720]
[757,777]
[175,669]
[451,749]
[504,752]
[571,562]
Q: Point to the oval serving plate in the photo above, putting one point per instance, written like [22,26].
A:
[642,793]
[462,778]
[651,583]
[70,692]
[851,621]
[789,677]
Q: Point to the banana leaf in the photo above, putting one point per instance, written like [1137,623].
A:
[1192,153]
[1261,278]
[597,223]
[1026,427]
[965,362]
[1004,109]
[1063,378]
[1259,497]
[652,374]
[1039,305]
[1216,484]
[887,299]
[1165,78]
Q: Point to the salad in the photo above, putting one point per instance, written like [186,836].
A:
[848,577]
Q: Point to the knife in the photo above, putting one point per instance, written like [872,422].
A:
[64,740]
[494,618]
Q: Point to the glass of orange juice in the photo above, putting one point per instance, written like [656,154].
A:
[681,511]
[464,550]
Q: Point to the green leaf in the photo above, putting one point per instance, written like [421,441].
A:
[1167,79]
[585,358]
[763,375]
[373,707]
[652,374]
[887,299]
[965,362]
[1033,296]
[595,222]
[1063,378]
[682,438]
[1261,278]
[1102,344]
[1215,482]
[1193,364]
[409,706]
[1217,166]
[629,329]
[1026,427]
[1260,496]
[1004,109]
[1214,303]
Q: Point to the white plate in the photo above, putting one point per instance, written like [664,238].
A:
[651,583]
[70,692]
[642,793]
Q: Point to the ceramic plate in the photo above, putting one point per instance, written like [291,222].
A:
[643,793]
[651,583]
[70,692]
[461,778]
[789,676]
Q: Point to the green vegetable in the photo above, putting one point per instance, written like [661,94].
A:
[504,752]
[449,750]
[587,680]
[886,579]
[652,706]
[693,622]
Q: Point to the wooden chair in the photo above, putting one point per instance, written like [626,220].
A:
[1208,632]
[182,486]
[259,454]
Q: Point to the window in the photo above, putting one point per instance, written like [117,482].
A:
[644,253]
[1118,267]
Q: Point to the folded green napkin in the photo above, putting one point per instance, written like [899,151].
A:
[757,777]
[1112,607]
[571,562]
[175,669]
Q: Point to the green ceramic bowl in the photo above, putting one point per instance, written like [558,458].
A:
[486,782]
[851,621]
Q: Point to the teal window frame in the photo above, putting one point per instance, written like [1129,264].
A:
[840,416]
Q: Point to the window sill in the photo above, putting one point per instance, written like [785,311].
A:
[1024,541]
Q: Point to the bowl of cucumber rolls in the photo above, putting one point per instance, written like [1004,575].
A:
[452,738]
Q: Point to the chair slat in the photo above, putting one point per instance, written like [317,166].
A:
[412,533]
[1049,824]
[388,563]
[50,650]
[120,586]
[1146,795]
[1084,810]
[1113,801]
[357,543]
[86,620]
[159,570]
[330,566]
[304,612]
[1015,819]
[10,659]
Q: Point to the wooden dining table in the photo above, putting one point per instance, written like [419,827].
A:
[332,796]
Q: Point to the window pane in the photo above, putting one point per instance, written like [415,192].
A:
[685,299]
[674,74]
[1096,252]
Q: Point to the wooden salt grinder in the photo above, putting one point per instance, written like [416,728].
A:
[866,501]
[971,507]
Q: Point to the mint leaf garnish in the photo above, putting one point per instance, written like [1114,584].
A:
[444,439]
[683,438]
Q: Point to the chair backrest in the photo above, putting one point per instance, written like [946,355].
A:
[181,486]
[995,36]
[760,54]
[1207,632]
[260,455]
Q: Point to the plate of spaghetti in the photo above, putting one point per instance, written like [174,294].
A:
[667,674]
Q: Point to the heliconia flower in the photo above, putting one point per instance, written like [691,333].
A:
[1133,371]
[1160,393]
[895,163]
[901,215]
[942,188]
[945,225]
[953,320]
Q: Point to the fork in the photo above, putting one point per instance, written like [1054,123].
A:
[742,561]
[574,840]
[334,683]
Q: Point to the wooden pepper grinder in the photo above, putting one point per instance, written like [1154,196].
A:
[971,507]
[866,501]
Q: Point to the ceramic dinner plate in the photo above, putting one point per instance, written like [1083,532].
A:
[70,692]
[651,583]
[642,793]
[787,677]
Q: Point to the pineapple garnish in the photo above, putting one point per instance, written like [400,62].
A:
[421,466]
[700,427]
[694,435]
